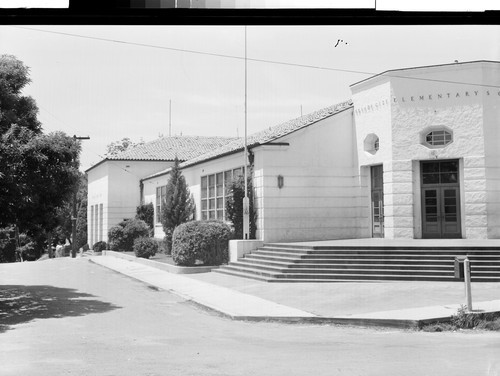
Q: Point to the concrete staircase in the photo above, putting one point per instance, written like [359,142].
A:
[300,263]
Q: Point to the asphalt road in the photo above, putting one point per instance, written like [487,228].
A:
[71,317]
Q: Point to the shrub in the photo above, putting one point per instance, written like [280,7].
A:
[99,246]
[145,247]
[203,241]
[234,207]
[178,206]
[121,237]
[86,247]
[146,212]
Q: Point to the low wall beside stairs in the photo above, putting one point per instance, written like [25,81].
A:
[239,248]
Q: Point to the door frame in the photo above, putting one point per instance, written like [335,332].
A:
[440,188]
[381,207]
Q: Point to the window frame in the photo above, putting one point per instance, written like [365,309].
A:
[214,193]
[436,132]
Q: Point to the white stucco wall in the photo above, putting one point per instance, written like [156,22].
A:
[449,96]
[320,198]
[97,194]
[491,75]
[115,185]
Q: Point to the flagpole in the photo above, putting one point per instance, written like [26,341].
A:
[246,204]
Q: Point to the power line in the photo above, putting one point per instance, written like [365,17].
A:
[251,59]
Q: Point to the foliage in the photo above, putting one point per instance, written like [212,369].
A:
[206,242]
[464,319]
[467,320]
[38,172]
[16,108]
[146,212]
[178,206]
[100,246]
[63,230]
[7,244]
[234,207]
[117,147]
[121,237]
[162,247]
[145,247]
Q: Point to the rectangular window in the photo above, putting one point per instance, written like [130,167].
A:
[215,190]
[92,240]
[101,226]
[96,222]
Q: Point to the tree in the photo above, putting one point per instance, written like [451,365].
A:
[178,206]
[115,148]
[146,212]
[38,172]
[234,207]
[65,211]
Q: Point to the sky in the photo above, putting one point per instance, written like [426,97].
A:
[112,82]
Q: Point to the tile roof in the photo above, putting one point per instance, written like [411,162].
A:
[271,134]
[167,148]
[264,136]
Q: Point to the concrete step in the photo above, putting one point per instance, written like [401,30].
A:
[378,269]
[351,260]
[277,262]
[378,254]
[300,266]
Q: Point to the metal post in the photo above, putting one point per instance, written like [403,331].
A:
[468,295]
[246,205]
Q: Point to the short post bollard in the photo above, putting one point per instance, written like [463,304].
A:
[468,295]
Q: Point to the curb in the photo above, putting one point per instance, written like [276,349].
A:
[365,321]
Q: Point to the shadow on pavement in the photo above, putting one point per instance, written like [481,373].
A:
[20,304]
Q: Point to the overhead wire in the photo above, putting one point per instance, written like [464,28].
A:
[251,59]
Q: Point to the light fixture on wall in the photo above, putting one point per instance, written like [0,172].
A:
[281,181]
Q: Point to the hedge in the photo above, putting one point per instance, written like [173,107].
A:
[99,246]
[145,247]
[204,242]
[121,237]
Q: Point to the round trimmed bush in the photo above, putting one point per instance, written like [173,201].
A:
[201,241]
[99,246]
[122,236]
[145,247]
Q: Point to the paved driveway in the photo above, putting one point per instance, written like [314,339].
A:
[71,317]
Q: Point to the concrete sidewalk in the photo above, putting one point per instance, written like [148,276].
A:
[393,304]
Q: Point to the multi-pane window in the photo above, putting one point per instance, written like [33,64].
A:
[161,195]
[438,138]
[442,172]
[215,190]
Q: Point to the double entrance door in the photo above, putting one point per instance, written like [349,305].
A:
[440,199]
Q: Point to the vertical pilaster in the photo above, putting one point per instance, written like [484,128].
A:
[398,199]
[475,198]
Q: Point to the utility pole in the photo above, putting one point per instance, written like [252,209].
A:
[75,214]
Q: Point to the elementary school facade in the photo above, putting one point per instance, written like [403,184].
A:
[414,154]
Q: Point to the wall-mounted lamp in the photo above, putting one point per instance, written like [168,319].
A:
[281,181]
